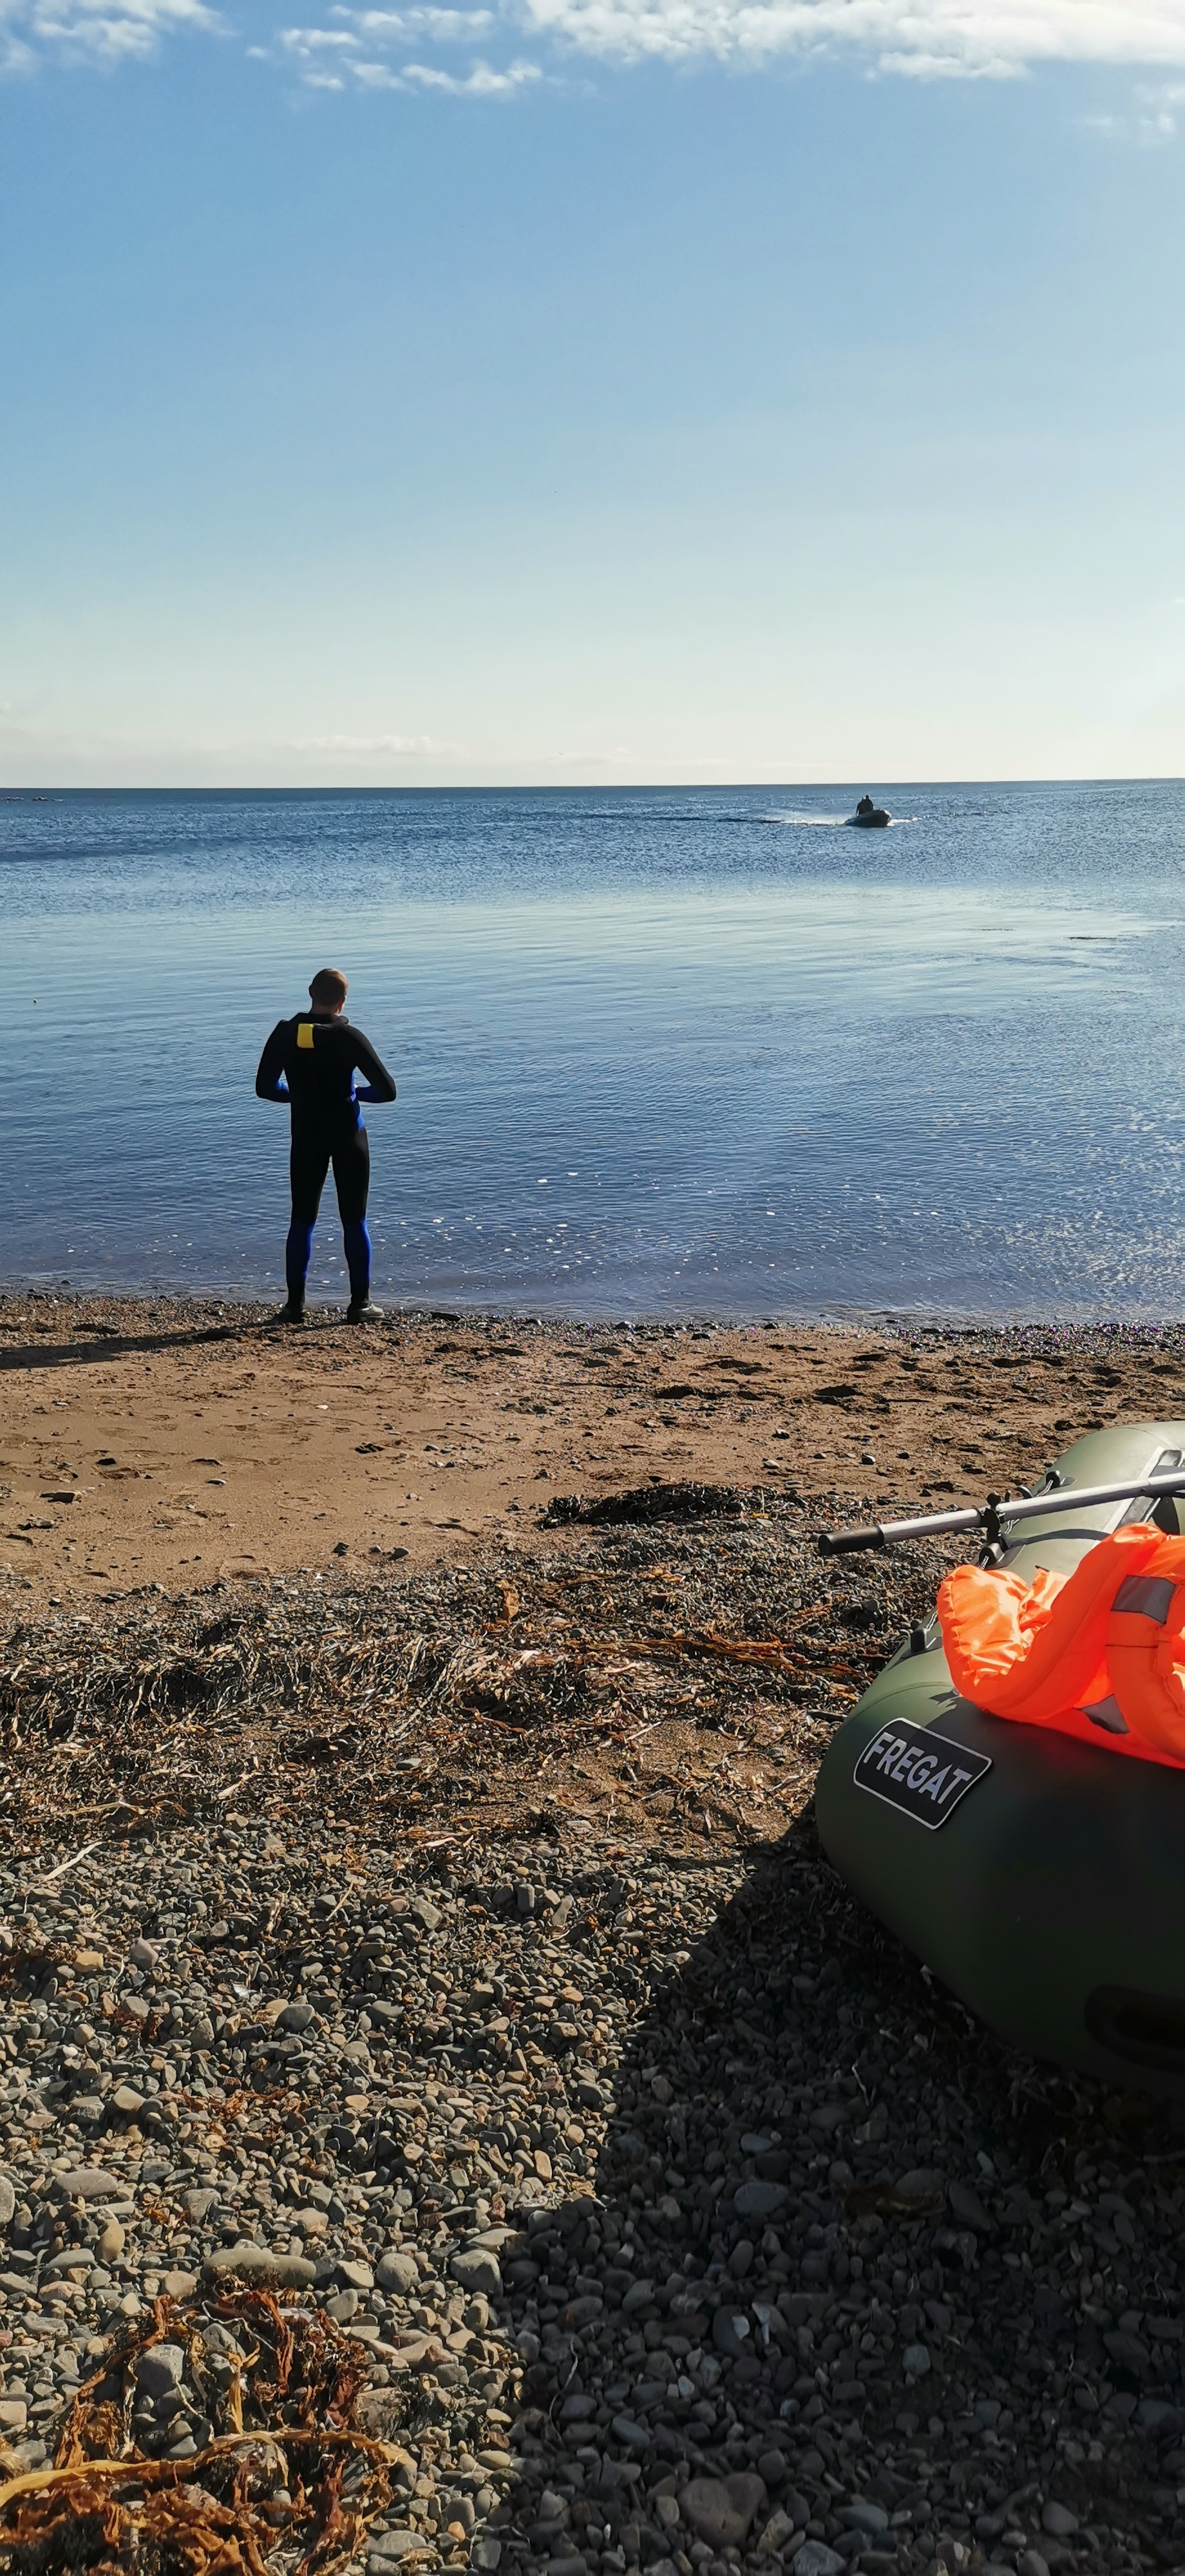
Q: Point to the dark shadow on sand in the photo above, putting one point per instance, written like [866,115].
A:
[94,1344]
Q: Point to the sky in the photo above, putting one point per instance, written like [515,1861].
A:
[591,391]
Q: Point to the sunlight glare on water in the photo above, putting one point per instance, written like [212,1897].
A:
[655,1051]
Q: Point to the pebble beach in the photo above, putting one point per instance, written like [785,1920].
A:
[453,2112]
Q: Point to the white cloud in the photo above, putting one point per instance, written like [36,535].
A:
[396,746]
[482,82]
[93,31]
[418,26]
[926,38]
[311,40]
[314,49]
[333,57]
[918,39]
[1153,119]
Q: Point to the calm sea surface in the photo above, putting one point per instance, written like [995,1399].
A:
[656,1050]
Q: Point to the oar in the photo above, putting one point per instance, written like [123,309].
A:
[989,1517]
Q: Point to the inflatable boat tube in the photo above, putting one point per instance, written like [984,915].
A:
[1012,1847]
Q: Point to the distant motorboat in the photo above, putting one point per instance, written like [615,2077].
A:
[869,817]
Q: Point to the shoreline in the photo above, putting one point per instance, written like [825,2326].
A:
[835,1315]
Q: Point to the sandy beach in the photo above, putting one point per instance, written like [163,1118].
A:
[182,1445]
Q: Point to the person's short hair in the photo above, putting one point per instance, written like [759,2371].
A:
[328,986]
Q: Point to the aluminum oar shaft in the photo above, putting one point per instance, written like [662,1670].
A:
[987,1517]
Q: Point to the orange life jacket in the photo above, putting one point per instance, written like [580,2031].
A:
[1099,1654]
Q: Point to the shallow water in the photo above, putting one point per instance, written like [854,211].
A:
[655,1050]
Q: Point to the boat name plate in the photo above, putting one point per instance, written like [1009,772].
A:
[920,1772]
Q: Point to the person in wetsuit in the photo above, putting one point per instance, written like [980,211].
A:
[310,1063]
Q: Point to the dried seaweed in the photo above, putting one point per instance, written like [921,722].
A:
[288,2468]
[444,1693]
[643,1505]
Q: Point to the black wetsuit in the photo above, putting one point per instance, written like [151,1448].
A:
[311,1062]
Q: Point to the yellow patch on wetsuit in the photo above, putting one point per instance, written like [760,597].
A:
[304,1033]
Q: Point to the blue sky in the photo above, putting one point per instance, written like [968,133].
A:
[591,389]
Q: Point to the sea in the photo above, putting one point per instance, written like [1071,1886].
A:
[659,1052]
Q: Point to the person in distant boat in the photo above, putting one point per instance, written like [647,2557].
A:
[310,1063]
[866,806]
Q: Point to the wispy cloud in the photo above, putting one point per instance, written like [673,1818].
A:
[356,52]
[93,31]
[391,746]
[995,39]
[1153,118]
[917,39]
[484,81]
[418,26]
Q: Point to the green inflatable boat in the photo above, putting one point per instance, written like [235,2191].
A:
[1041,1877]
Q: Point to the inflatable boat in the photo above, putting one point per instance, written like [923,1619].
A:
[869,817]
[1009,1795]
